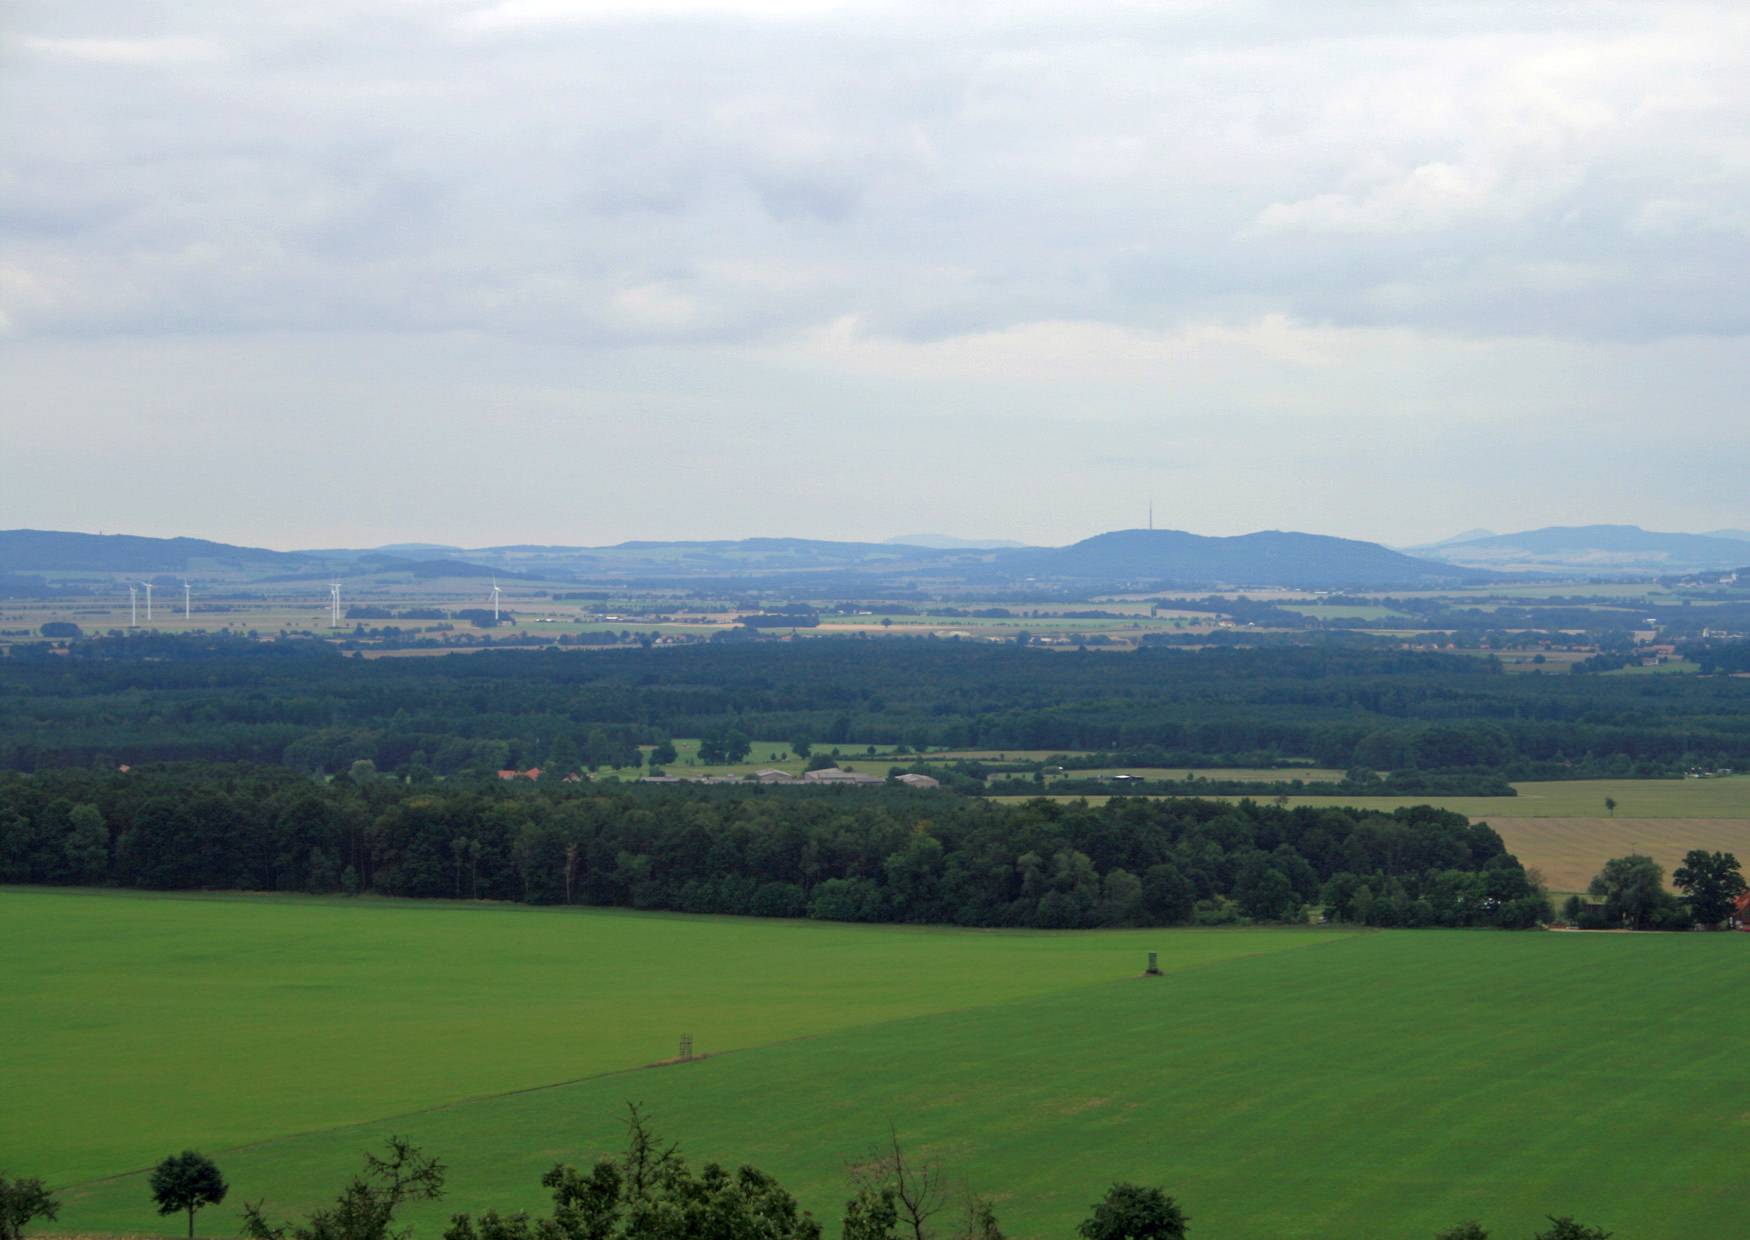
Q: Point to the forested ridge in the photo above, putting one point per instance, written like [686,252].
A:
[843,854]
[302,703]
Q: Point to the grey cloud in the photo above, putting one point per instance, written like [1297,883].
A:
[663,212]
[1361,166]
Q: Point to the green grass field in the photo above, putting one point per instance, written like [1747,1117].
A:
[1282,1083]
[775,755]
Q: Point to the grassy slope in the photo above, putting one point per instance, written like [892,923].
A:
[1380,1085]
[135,1023]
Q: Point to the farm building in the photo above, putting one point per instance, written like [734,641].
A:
[832,775]
[914,780]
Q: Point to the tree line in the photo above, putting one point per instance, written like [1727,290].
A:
[880,854]
[1629,893]
[649,1192]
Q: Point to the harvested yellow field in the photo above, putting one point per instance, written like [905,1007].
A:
[1569,851]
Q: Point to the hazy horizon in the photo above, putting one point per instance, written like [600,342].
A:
[519,271]
[994,542]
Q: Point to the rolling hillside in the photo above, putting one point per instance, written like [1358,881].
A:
[61,551]
[1272,557]
[1593,548]
[1151,558]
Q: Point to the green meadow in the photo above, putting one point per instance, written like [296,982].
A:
[1282,1083]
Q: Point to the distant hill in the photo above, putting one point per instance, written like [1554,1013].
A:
[61,551]
[1467,536]
[945,542]
[415,548]
[1594,549]
[1147,558]
[1272,557]
[1740,535]
[761,557]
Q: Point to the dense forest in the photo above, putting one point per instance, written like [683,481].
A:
[1337,701]
[845,854]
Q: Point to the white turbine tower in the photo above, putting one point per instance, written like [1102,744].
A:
[187,600]
[133,607]
[334,602]
[148,586]
[495,593]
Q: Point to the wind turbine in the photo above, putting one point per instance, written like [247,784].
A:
[133,607]
[187,600]
[334,601]
[148,586]
[495,593]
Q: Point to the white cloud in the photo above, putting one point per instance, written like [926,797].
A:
[1080,352]
[160,51]
[517,15]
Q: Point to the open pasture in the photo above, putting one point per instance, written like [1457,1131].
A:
[1246,774]
[295,1013]
[1345,611]
[1282,1083]
[778,756]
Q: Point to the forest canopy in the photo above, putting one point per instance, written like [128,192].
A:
[303,704]
[839,854]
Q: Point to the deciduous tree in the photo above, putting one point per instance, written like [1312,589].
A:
[187,1181]
[919,1187]
[1133,1212]
[1711,882]
[22,1201]
[649,1194]
[1631,888]
[365,1209]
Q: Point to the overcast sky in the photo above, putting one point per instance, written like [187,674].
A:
[335,272]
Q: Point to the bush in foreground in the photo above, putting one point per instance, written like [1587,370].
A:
[23,1201]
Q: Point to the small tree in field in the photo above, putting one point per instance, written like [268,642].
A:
[21,1201]
[1565,1228]
[1132,1212]
[1610,806]
[1464,1231]
[915,1189]
[651,1194]
[187,1181]
[365,1209]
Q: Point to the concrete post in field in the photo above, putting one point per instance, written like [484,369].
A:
[1154,966]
